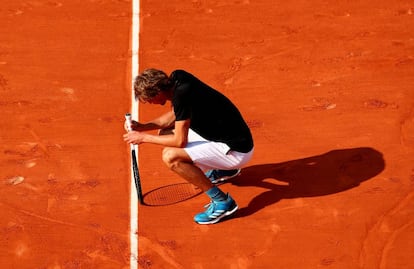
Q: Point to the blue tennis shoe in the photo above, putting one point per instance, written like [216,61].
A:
[217,176]
[216,210]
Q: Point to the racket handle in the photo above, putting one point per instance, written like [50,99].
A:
[128,119]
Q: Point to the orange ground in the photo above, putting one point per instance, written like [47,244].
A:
[327,90]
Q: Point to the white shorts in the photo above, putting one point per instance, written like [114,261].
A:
[214,155]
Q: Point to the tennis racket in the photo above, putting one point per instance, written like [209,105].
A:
[134,161]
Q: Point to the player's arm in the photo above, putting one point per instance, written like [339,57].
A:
[162,122]
[178,138]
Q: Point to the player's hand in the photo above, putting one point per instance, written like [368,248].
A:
[135,126]
[134,137]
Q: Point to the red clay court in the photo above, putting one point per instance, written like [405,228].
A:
[327,89]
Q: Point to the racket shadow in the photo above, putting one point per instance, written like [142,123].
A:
[171,194]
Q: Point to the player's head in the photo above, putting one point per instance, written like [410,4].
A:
[150,83]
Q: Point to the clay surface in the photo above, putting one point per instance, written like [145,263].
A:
[327,89]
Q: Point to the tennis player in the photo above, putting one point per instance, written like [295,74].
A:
[205,137]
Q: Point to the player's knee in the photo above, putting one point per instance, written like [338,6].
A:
[169,157]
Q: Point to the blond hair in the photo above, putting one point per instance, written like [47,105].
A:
[149,83]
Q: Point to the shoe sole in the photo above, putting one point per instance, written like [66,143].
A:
[225,178]
[228,213]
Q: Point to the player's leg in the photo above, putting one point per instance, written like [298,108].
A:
[221,205]
[178,161]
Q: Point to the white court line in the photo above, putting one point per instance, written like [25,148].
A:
[133,262]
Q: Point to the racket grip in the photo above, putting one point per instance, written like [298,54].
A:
[128,119]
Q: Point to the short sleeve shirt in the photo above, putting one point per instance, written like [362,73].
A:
[212,115]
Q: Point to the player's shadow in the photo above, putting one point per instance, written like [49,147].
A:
[332,172]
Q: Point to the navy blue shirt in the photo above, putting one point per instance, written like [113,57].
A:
[212,115]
